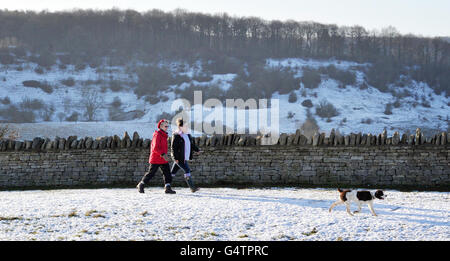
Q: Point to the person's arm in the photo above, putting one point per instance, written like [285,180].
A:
[173,148]
[158,148]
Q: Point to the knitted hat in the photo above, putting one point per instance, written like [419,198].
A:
[161,121]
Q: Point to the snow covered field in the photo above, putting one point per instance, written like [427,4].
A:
[218,214]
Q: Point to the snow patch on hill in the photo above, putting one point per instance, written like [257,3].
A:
[360,109]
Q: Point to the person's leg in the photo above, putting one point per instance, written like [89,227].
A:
[174,169]
[167,177]
[187,176]
[185,167]
[147,176]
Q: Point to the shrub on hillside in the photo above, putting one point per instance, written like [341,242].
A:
[425,104]
[223,65]
[31,83]
[274,79]
[179,79]
[68,82]
[14,115]
[32,104]
[290,115]
[46,88]
[6,58]
[363,86]
[116,102]
[115,86]
[39,70]
[41,85]
[5,101]
[292,97]
[326,110]
[367,121]
[164,115]
[344,76]
[80,66]
[388,109]
[208,92]
[202,77]
[240,88]
[382,73]
[307,103]
[151,99]
[152,79]
[45,59]
[311,78]
[73,117]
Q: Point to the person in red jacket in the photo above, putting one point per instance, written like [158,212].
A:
[158,158]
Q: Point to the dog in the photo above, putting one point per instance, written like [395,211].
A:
[359,197]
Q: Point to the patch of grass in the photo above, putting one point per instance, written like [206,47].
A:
[283,236]
[73,214]
[312,232]
[10,218]
[60,215]
[243,236]
[208,234]
[90,212]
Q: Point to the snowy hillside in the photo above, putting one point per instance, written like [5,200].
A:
[275,214]
[360,107]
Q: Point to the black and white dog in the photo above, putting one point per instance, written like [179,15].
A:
[359,197]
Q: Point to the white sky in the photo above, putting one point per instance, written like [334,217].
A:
[421,17]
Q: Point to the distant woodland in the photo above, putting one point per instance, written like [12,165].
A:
[87,37]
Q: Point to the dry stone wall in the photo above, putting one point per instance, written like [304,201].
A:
[363,160]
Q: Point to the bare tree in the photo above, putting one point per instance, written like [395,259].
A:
[310,126]
[88,36]
[92,102]
[7,133]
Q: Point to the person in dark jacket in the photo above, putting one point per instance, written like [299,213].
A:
[158,158]
[182,149]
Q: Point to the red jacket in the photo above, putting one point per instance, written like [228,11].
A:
[159,146]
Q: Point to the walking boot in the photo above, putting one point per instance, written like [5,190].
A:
[169,190]
[190,183]
[140,187]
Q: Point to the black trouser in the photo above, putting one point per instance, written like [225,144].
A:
[165,169]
